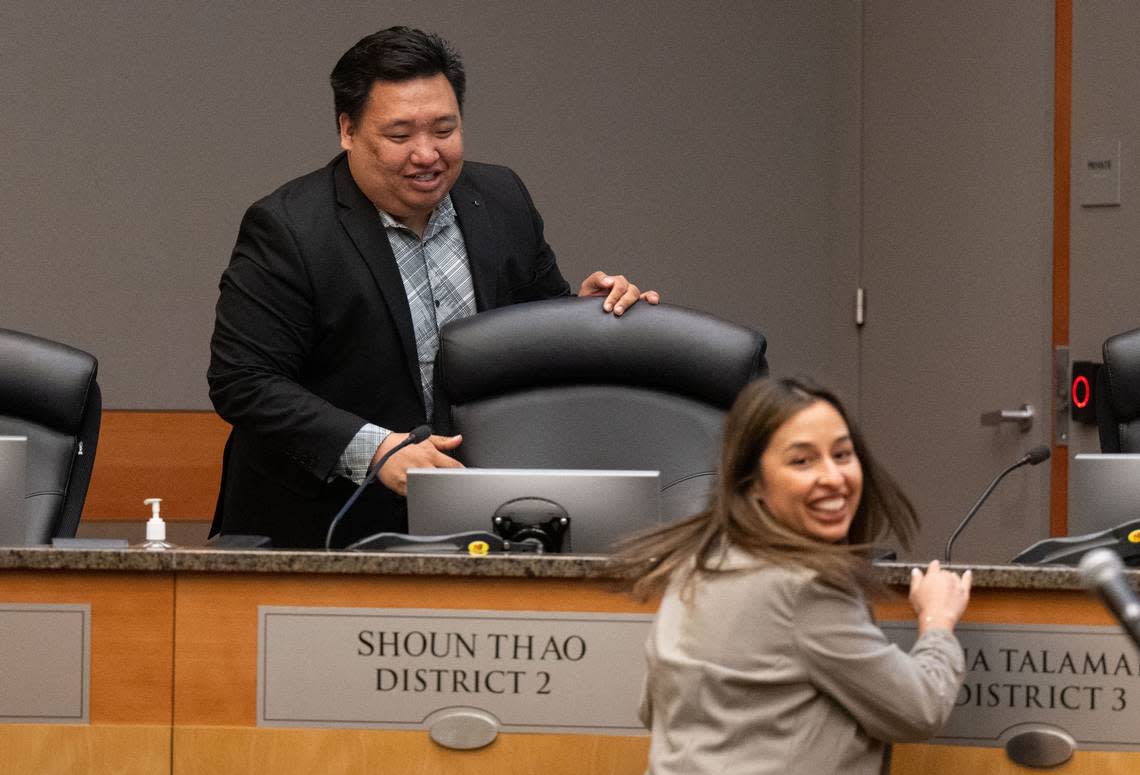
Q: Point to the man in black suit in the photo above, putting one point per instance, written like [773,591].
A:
[328,315]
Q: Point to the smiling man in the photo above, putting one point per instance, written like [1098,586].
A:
[405,148]
[328,316]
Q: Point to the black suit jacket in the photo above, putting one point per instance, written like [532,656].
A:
[313,338]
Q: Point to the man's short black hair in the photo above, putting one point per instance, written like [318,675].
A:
[395,54]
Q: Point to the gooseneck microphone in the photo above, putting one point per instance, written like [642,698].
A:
[418,434]
[1103,573]
[1034,456]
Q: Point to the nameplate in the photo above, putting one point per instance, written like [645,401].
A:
[533,671]
[1084,680]
[45,660]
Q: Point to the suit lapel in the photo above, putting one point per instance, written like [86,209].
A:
[484,254]
[362,223]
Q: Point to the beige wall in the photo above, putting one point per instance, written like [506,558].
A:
[712,150]
[1105,251]
[691,145]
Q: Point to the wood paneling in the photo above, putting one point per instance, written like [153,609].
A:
[1016,606]
[1062,154]
[217,647]
[176,456]
[220,751]
[92,750]
[174,662]
[997,606]
[217,622]
[933,759]
[132,637]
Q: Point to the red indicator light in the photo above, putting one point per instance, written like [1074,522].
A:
[1081,385]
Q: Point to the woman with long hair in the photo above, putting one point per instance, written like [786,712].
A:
[764,657]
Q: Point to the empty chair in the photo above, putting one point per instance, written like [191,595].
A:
[561,384]
[1118,394]
[48,392]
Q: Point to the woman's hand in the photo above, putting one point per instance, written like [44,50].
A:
[939,597]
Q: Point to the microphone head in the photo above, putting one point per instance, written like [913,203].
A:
[1099,566]
[419,433]
[1038,454]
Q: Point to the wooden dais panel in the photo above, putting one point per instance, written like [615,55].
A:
[176,456]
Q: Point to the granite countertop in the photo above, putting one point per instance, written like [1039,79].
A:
[403,564]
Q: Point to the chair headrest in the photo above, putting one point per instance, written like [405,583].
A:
[1122,377]
[44,381]
[573,341]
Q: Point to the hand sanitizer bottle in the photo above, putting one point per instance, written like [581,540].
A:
[155,528]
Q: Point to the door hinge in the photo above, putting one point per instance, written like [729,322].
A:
[860,307]
[1061,378]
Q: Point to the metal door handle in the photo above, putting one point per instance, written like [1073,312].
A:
[1023,417]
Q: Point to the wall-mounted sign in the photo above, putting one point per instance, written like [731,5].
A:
[1098,174]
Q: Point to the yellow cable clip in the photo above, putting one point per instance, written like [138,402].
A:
[478,548]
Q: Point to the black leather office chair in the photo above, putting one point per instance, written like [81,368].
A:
[1118,394]
[562,384]
[48,392]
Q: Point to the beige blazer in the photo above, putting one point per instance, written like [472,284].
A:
[765,670]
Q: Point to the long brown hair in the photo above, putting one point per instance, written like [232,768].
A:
[694,546]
